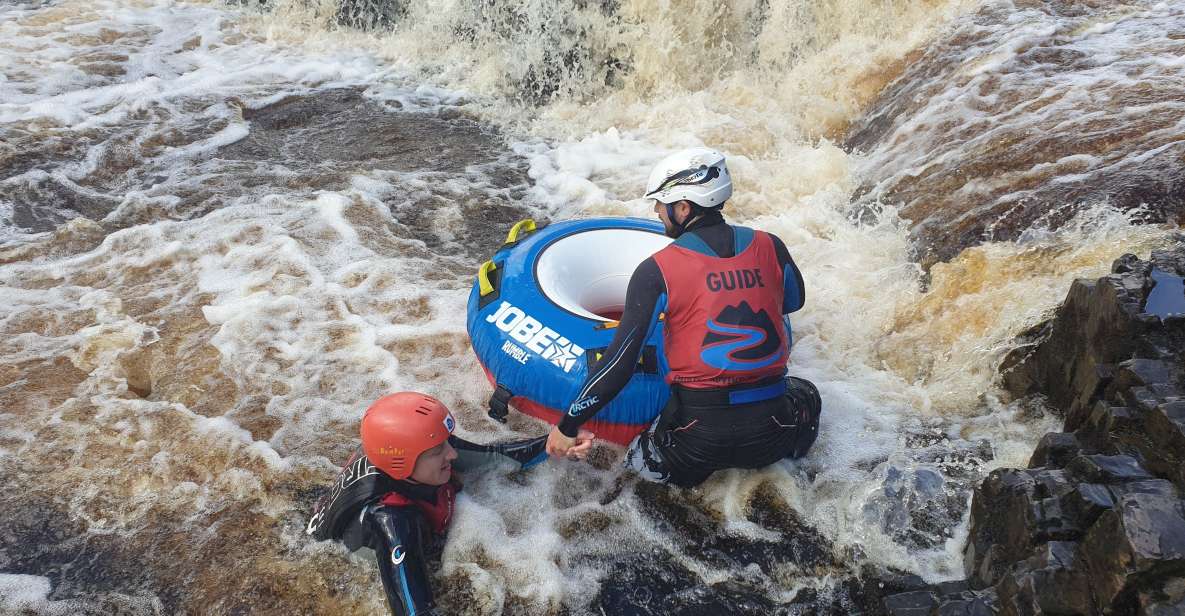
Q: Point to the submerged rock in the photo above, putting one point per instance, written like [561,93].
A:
[447,179]
[983,136]
[790,554]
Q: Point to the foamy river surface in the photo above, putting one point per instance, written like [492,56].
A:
[226,228]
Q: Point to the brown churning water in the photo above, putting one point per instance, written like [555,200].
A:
[225,230]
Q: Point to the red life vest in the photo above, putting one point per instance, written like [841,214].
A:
[723,323]
[438,513]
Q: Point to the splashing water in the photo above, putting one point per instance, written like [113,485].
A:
[1025,114]
[226,230]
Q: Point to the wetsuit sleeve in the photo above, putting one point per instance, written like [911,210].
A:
[645,299]
[795,290]
[471,455]
[398,534]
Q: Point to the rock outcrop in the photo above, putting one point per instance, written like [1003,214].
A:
[1096,524]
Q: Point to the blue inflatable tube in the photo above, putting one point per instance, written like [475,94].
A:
[544,308]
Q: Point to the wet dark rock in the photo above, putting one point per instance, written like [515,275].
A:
[953,587]
[1141,540]
[915,504]
[1165,455]
[44,540]
[1045,583]
[382,15]
[345,126]
[891,581]
[320,141]
[946,599]
[655,583]
[801,544]
[1167,299]
[1167,600]
[722,598]
[1107,469]
[1012,511]
[703,537]
[922,495]
[661,582]
[1096,524]
[1143,399]
[1055,449]
[637,586]
[917,603]
[955,458]
[1098,336]
[296,147]
[1135,372]
[44,204]
[1104,421]
[861,593]
[1096,325]
[1087,502]
[976,605]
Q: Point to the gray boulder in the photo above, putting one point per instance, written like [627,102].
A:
[1096,524]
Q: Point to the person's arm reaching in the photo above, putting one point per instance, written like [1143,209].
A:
[645,299]
[471,455]
[398,532]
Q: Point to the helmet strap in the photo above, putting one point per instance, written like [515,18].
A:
[678,227]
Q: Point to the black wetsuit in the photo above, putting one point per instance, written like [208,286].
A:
[404,543]
[401,520]
[712,440]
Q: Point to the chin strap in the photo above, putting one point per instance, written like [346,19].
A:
[683,227]
[679,227]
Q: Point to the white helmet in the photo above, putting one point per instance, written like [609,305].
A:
[697,175]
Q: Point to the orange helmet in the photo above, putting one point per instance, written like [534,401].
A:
[397,428]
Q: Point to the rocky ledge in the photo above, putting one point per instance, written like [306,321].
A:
[1096,523]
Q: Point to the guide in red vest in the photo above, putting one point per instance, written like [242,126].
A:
[720,292]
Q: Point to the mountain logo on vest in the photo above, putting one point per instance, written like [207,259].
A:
[741,339]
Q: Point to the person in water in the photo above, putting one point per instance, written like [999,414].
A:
[395,495]
[720,292]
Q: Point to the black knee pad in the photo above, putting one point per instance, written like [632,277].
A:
[806,404]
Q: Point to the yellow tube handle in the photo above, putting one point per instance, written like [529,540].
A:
[524,226]
[483,278]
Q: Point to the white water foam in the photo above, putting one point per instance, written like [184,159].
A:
[316,304]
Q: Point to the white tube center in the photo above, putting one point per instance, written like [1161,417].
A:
[587,273]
